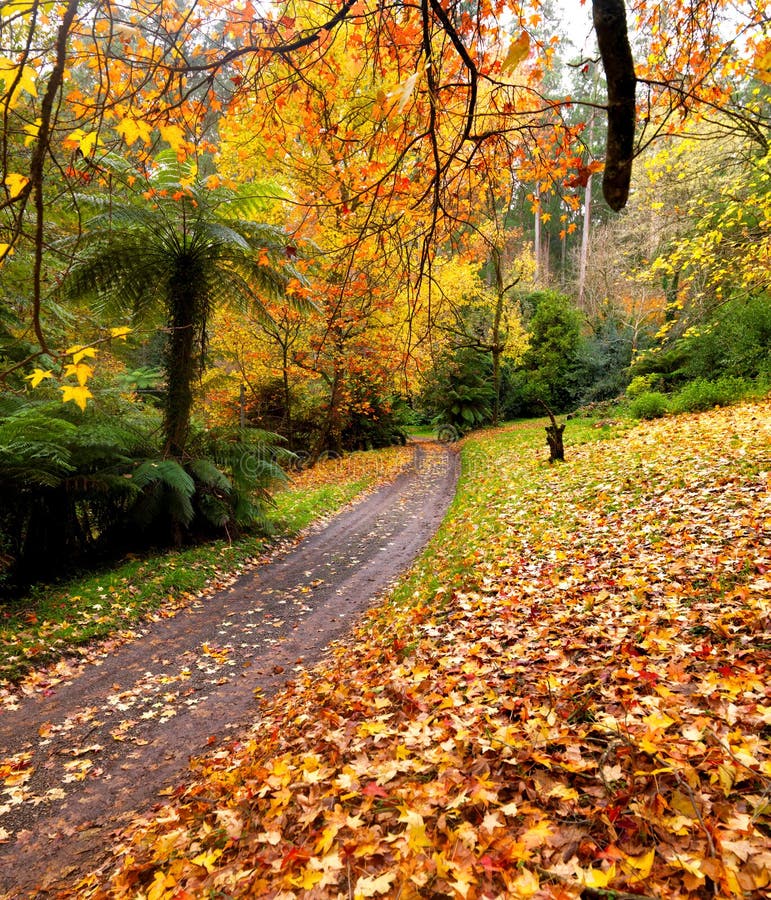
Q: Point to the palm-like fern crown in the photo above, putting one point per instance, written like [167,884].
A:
[184,254]
[136,257]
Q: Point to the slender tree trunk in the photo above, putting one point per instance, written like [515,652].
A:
[288,423]
[181,369]
[585,240]
[329,439]
[497,343]
[537,236]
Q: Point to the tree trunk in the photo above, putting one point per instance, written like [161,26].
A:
[586,226]
[554,440]
[181,369]
[497,344]
[537,236]
[288,422]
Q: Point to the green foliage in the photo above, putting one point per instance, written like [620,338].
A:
[649,405]
[701,394]
[145,379]
[76,487]
[551,367]
[61,480]
[734,342]
[459,391]
[603,360]
[180,257]
[641,384]
[236,471]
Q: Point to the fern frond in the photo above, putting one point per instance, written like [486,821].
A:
[167,472]
[207,473]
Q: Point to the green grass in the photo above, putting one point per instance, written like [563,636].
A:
[422,431]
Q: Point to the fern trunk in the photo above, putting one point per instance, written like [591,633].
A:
[182,366]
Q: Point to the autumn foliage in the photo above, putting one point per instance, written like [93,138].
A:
[580,707]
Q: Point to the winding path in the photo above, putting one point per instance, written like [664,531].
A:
[99,748]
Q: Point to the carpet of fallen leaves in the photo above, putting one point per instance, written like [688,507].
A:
[581,707]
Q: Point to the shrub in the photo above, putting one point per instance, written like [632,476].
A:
[459,391]
[702,394]
[733,343]
[649,405]
[553,362]
[642,384]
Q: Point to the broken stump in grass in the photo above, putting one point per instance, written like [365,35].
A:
[554,434]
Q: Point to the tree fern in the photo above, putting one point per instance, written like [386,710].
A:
[185,255]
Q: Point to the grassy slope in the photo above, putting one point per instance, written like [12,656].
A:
[63,619]
[569,693]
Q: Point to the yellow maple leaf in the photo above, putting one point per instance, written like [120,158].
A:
[207,859]
[79,352]
[174,136]
[324,843]
[120,331]
[158,889]
[416,830]
[21,8]
[132,130]
[39,375]
[658,720]
[537,834]
[526,884]
[83,141]
[15,184]
[642,864]
[24,78]
[518,50]
[27,80]
[596,878]
[308,879]
[82,371]
[31,130]
[762,64]
[78,394]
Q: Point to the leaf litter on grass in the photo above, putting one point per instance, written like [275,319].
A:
[579,704]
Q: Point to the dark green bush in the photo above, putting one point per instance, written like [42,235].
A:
[735,342]
[552,369]
[459,391]
[76,487]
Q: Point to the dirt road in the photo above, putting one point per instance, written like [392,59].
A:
[97,749]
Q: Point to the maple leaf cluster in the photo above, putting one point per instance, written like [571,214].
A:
[581,705]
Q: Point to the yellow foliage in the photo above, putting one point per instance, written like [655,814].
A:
[79,394]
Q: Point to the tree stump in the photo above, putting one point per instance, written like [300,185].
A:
[554,440]
[554,433]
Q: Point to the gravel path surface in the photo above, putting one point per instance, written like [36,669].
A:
[99,748]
